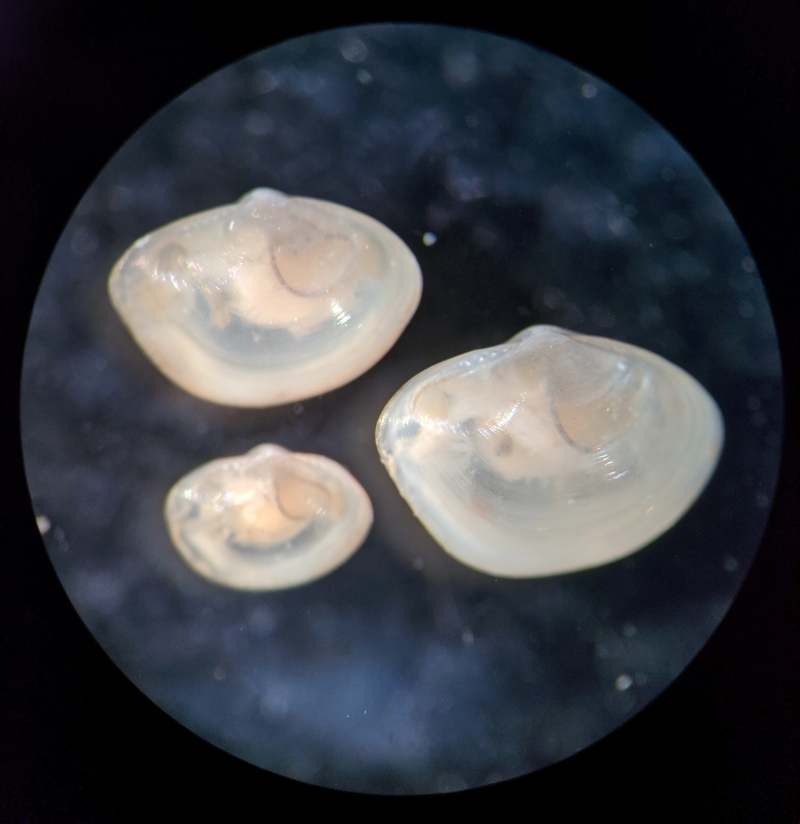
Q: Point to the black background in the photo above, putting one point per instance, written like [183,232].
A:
[77,741]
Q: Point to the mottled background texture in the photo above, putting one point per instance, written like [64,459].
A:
[530,192]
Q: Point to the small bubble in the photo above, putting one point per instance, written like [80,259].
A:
[553,298]
[429,238]
[483,237]
[201,428]
[418,564]
[219,674]
[298,409]
[753,403]
[589,90]
[459,68]
[354,50]
[43,522]
[742,283]
[675,227]
[746,309]
[83,242]
[748,264]
[523,310]
[274,705]
[437,217]
[363,77]
[730,563]
[758,419]
[623,682]
[762,500]
[602,316]
[264,81]
[258,124]
[120,198]
[629,630]
[450,783]
[467,637]
[651,316]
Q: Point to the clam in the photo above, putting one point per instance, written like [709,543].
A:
[268,519]
[269,300]
[550,453]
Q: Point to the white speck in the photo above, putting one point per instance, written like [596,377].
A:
[589,90]
[43,522]
[730,563]
[629,630]
[746,309]
[467,637]
[429,238]
[748,264]
[354,50]
[219,674]
[364,77]
[365,712]
[623,682]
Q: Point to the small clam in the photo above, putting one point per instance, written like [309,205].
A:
[269,519]
[269,300]
[550,453]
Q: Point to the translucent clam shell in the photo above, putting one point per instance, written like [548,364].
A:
[268,300]
[550,453]
[268,519]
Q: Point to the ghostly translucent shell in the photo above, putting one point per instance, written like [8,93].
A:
[269,519]
[268,300]
[550,453]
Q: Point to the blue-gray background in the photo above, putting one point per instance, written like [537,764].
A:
[553,199]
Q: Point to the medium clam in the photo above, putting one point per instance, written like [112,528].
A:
[550,453]
[268,519]
[268,300]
